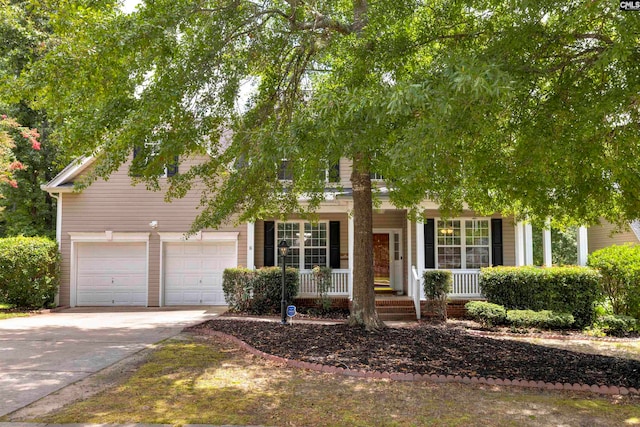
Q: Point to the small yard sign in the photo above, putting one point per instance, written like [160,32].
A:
[291,310]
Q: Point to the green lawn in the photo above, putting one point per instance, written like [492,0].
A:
[207,380]
[6,312]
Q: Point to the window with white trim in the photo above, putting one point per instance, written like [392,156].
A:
[330,174]
[463,244]
[290,232]
[306,250]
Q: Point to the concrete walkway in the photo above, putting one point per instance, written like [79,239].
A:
[43,353]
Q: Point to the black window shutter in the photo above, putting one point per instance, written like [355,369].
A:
[172,168]
[334,244]
[269,243]
[334,172]
[429,244]
[134,170]
[496,241]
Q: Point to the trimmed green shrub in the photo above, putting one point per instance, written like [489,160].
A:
[544,319]
[572,290]
[29,271]
[237,285]
[616,325]
[437,284]
[486,313]
[619,267]
[267,289]
[322,278]
[258,291]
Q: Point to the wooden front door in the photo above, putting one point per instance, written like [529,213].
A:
[381,259]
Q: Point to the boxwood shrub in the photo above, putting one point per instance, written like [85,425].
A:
[572,290]
[544,319]
[616,325]
[29,271]
[258,291]
[486,313]
[619,267]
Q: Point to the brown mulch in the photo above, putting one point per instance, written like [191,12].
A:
[428,349]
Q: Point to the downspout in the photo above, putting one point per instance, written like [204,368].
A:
[58,199]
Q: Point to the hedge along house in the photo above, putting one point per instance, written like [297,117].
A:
[122,244]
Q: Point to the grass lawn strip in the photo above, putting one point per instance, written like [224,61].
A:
[7,311]
[210,380]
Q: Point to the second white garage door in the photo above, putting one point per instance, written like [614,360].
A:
[193,272]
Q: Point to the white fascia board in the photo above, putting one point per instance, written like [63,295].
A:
[108,236]
[201,236]
[71,171]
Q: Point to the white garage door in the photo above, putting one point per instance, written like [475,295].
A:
[193,272]
[111,274]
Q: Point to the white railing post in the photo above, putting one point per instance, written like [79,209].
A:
[415,285]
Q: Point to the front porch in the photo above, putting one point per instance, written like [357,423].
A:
[465,284]
[403,249]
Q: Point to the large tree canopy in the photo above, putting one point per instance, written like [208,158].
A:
[26,209]
[522,107]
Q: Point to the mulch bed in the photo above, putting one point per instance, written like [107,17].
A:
[428,349]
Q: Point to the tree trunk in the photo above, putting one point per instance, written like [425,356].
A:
[363,306]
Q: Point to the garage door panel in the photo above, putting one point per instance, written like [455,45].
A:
[110,273]
[94,297]
[193,271]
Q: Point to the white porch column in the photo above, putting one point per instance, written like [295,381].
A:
[351,234]
[546,247]
[420,252]
[409,256]
[251,238]
[420,247]
[583,247]
[528,244]
[519,241]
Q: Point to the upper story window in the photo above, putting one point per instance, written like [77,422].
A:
[285,172]
[149,151]
[463,244]
[306,249]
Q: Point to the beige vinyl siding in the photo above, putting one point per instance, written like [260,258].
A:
[118,206]
[345,173]
[601,236]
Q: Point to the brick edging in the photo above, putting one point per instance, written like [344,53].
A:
[396,376]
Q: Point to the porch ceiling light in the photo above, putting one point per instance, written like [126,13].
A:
[283,247]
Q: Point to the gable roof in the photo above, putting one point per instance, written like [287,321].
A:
[63,182]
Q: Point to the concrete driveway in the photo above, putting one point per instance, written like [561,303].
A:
[43,353]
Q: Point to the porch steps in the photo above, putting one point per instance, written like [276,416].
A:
[395,308]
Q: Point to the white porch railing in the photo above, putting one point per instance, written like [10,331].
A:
[466,284]
[339,280]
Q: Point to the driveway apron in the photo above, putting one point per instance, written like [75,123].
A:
[43,353]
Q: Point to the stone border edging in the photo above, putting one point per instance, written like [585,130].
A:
[397,376]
